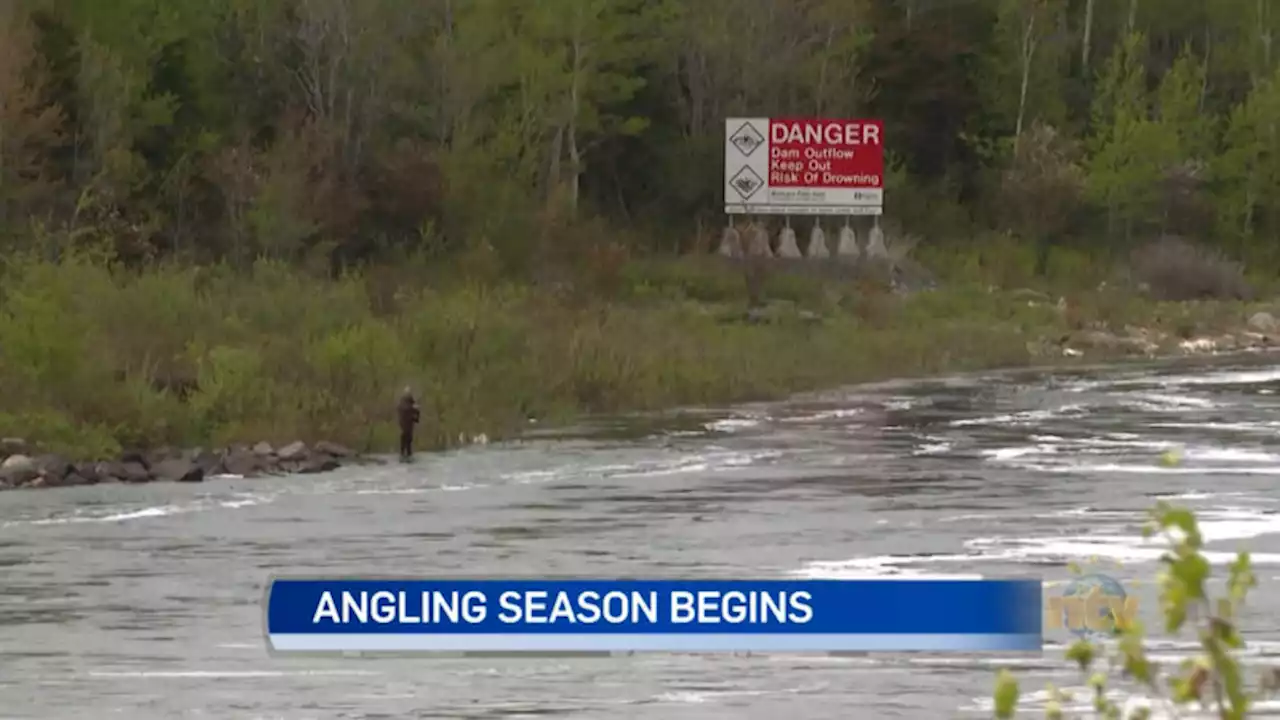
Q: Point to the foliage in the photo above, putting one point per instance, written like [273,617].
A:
[344,132]
[300,201]
[1214,680]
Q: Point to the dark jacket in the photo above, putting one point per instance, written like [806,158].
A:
[407,412]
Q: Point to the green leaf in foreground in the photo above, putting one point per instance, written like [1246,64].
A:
[1213,680]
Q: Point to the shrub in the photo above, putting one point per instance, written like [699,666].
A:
[1176,269]
[1214,679]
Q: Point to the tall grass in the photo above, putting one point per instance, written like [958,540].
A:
[95,358]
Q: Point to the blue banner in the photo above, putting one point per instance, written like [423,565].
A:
[336,615]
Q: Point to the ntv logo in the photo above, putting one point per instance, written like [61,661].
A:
[1091,605]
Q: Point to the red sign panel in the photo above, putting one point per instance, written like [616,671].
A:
[826,154]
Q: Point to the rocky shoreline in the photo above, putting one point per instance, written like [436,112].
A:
[20,467]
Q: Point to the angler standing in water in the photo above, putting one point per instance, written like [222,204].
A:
[407,412]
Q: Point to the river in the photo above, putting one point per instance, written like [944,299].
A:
[144,602]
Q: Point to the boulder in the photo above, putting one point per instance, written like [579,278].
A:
[88,471]
[12,446]
[126,471]
[54,469]
[135,457]
[317,464]
[133,472]
[324,447]
[243,462]
[293,451]
[179,470]
[71,479]
[1264,322]
[210,463]
[263,449]
[18,470]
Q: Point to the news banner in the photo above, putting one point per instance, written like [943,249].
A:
[547,616]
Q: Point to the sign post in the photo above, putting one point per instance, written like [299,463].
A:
[803,166]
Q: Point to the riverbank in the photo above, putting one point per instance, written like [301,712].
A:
[285,372]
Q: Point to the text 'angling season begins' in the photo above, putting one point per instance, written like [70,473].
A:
[346,615]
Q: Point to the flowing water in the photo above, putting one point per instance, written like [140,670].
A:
[145,602]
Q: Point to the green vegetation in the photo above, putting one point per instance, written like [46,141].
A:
[1213,680]
[256,219]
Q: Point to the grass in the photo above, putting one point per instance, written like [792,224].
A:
[95,359]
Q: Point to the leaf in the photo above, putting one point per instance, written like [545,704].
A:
[1006,694]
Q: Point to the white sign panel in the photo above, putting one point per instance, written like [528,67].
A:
[803,166]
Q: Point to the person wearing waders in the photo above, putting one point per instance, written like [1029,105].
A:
[407,410]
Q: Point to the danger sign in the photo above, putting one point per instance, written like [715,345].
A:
[804,166]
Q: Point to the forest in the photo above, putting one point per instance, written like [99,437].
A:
[342,131]
[247,219]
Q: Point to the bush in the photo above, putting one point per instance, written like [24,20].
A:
[1214,680]
[1176,269]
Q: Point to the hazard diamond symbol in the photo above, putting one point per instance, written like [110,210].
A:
[746,139]
[746,182]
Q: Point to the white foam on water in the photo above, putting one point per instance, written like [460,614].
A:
[1033,703]
[1009,453]
[421,490]
[828,415]
[733,424]
[226,674]
[697,463]
[691,463]
[1027,417]
[899,403]
[1219,525]
[1267,428]
[933,448]
[120,515]
[1153,469]
[1227,377]
[1163,402]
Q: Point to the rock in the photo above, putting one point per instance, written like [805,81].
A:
[263,449]
[54,468]
[117,471]
[179,470]
[293,451]
[88,471]
[317,464]
[12,446]
[18,470]
[208,462]
[334,449]
[135,457]
[133,472]
[71,479]
[1264,322]
[243,462]
[107,471]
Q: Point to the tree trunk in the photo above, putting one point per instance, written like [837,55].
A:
[1028,52]
[1087,38]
